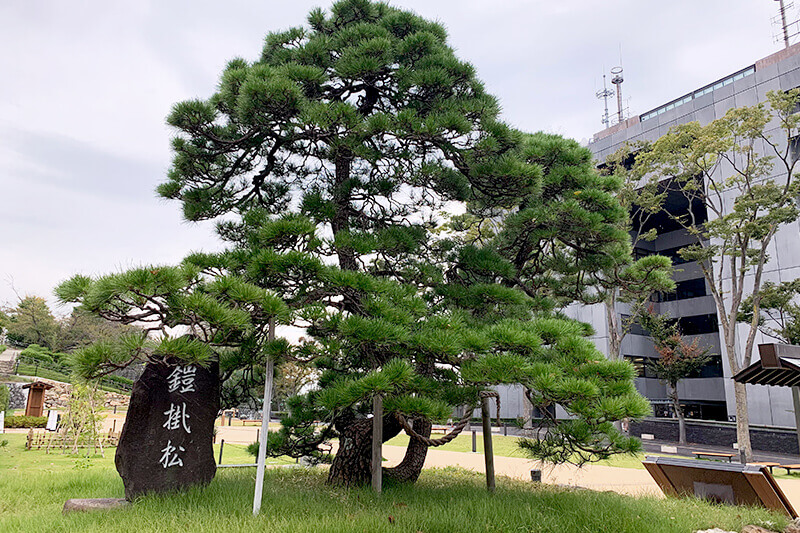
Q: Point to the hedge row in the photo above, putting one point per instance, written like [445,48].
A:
[26,421]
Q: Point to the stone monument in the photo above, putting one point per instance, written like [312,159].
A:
[166,443]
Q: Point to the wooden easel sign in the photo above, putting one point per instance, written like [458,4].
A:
[731,483]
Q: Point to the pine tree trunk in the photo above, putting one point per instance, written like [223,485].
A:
[614,328]
[351,466]
[676,405]
[411,466]
[742,423]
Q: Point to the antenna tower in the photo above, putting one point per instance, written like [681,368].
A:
[785,26]
[605,94]
[617,80]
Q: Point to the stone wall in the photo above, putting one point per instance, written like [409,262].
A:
[17,395]
[723,434]
[58,396]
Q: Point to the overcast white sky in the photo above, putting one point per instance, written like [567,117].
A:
[85,87]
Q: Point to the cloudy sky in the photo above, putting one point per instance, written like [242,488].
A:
[85,87]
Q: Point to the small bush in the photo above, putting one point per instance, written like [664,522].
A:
[5,398]
[252,449]
[119,379]
[26,421]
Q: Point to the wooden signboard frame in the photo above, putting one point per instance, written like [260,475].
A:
[732,483]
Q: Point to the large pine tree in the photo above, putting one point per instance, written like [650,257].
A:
[328,160]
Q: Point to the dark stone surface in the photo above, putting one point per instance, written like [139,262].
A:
[155,458]
[18,396]
[775,440]
[92,504]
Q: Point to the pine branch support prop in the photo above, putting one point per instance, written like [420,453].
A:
[264,433]
[488,454]
[377,443]
[796,402]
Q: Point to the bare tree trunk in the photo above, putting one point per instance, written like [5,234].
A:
[614,330]
[742,423]
[676,405]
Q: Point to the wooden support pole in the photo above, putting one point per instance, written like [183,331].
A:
[488,454]
[377,443]
[796,402]
[266,412]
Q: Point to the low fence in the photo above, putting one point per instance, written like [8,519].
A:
[722,434]
[63,441]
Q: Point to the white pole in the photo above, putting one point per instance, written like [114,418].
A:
[265,415]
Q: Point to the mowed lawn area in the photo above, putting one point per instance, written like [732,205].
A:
[34,486]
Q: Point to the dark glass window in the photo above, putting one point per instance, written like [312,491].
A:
[698,324]
[642,365]
[672,254]
[692,288]
[712,369]
[697,410]
[636,328]
[689,325]
[644,369]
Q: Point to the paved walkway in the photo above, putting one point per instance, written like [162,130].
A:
[629,481]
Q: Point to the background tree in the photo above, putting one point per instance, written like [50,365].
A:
[82,418]
[677,359]
[31,322]
[634,281]
[292,379]
[780,313]
[743,178]
[81,328]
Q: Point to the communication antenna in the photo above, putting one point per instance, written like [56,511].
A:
[605,94]
[617,80]
[785,26]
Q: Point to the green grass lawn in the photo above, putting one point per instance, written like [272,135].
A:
[41,372]
[13,378]
[34,486]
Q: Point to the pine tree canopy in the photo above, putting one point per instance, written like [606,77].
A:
[326,163]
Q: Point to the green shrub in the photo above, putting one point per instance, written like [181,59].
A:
[252,449]
[43,355]
[26,421]
[119,379]
[5,399]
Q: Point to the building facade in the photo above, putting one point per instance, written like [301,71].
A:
[710,394]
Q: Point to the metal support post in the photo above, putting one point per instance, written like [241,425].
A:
[264,434]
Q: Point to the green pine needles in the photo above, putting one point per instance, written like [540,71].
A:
[331,158]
